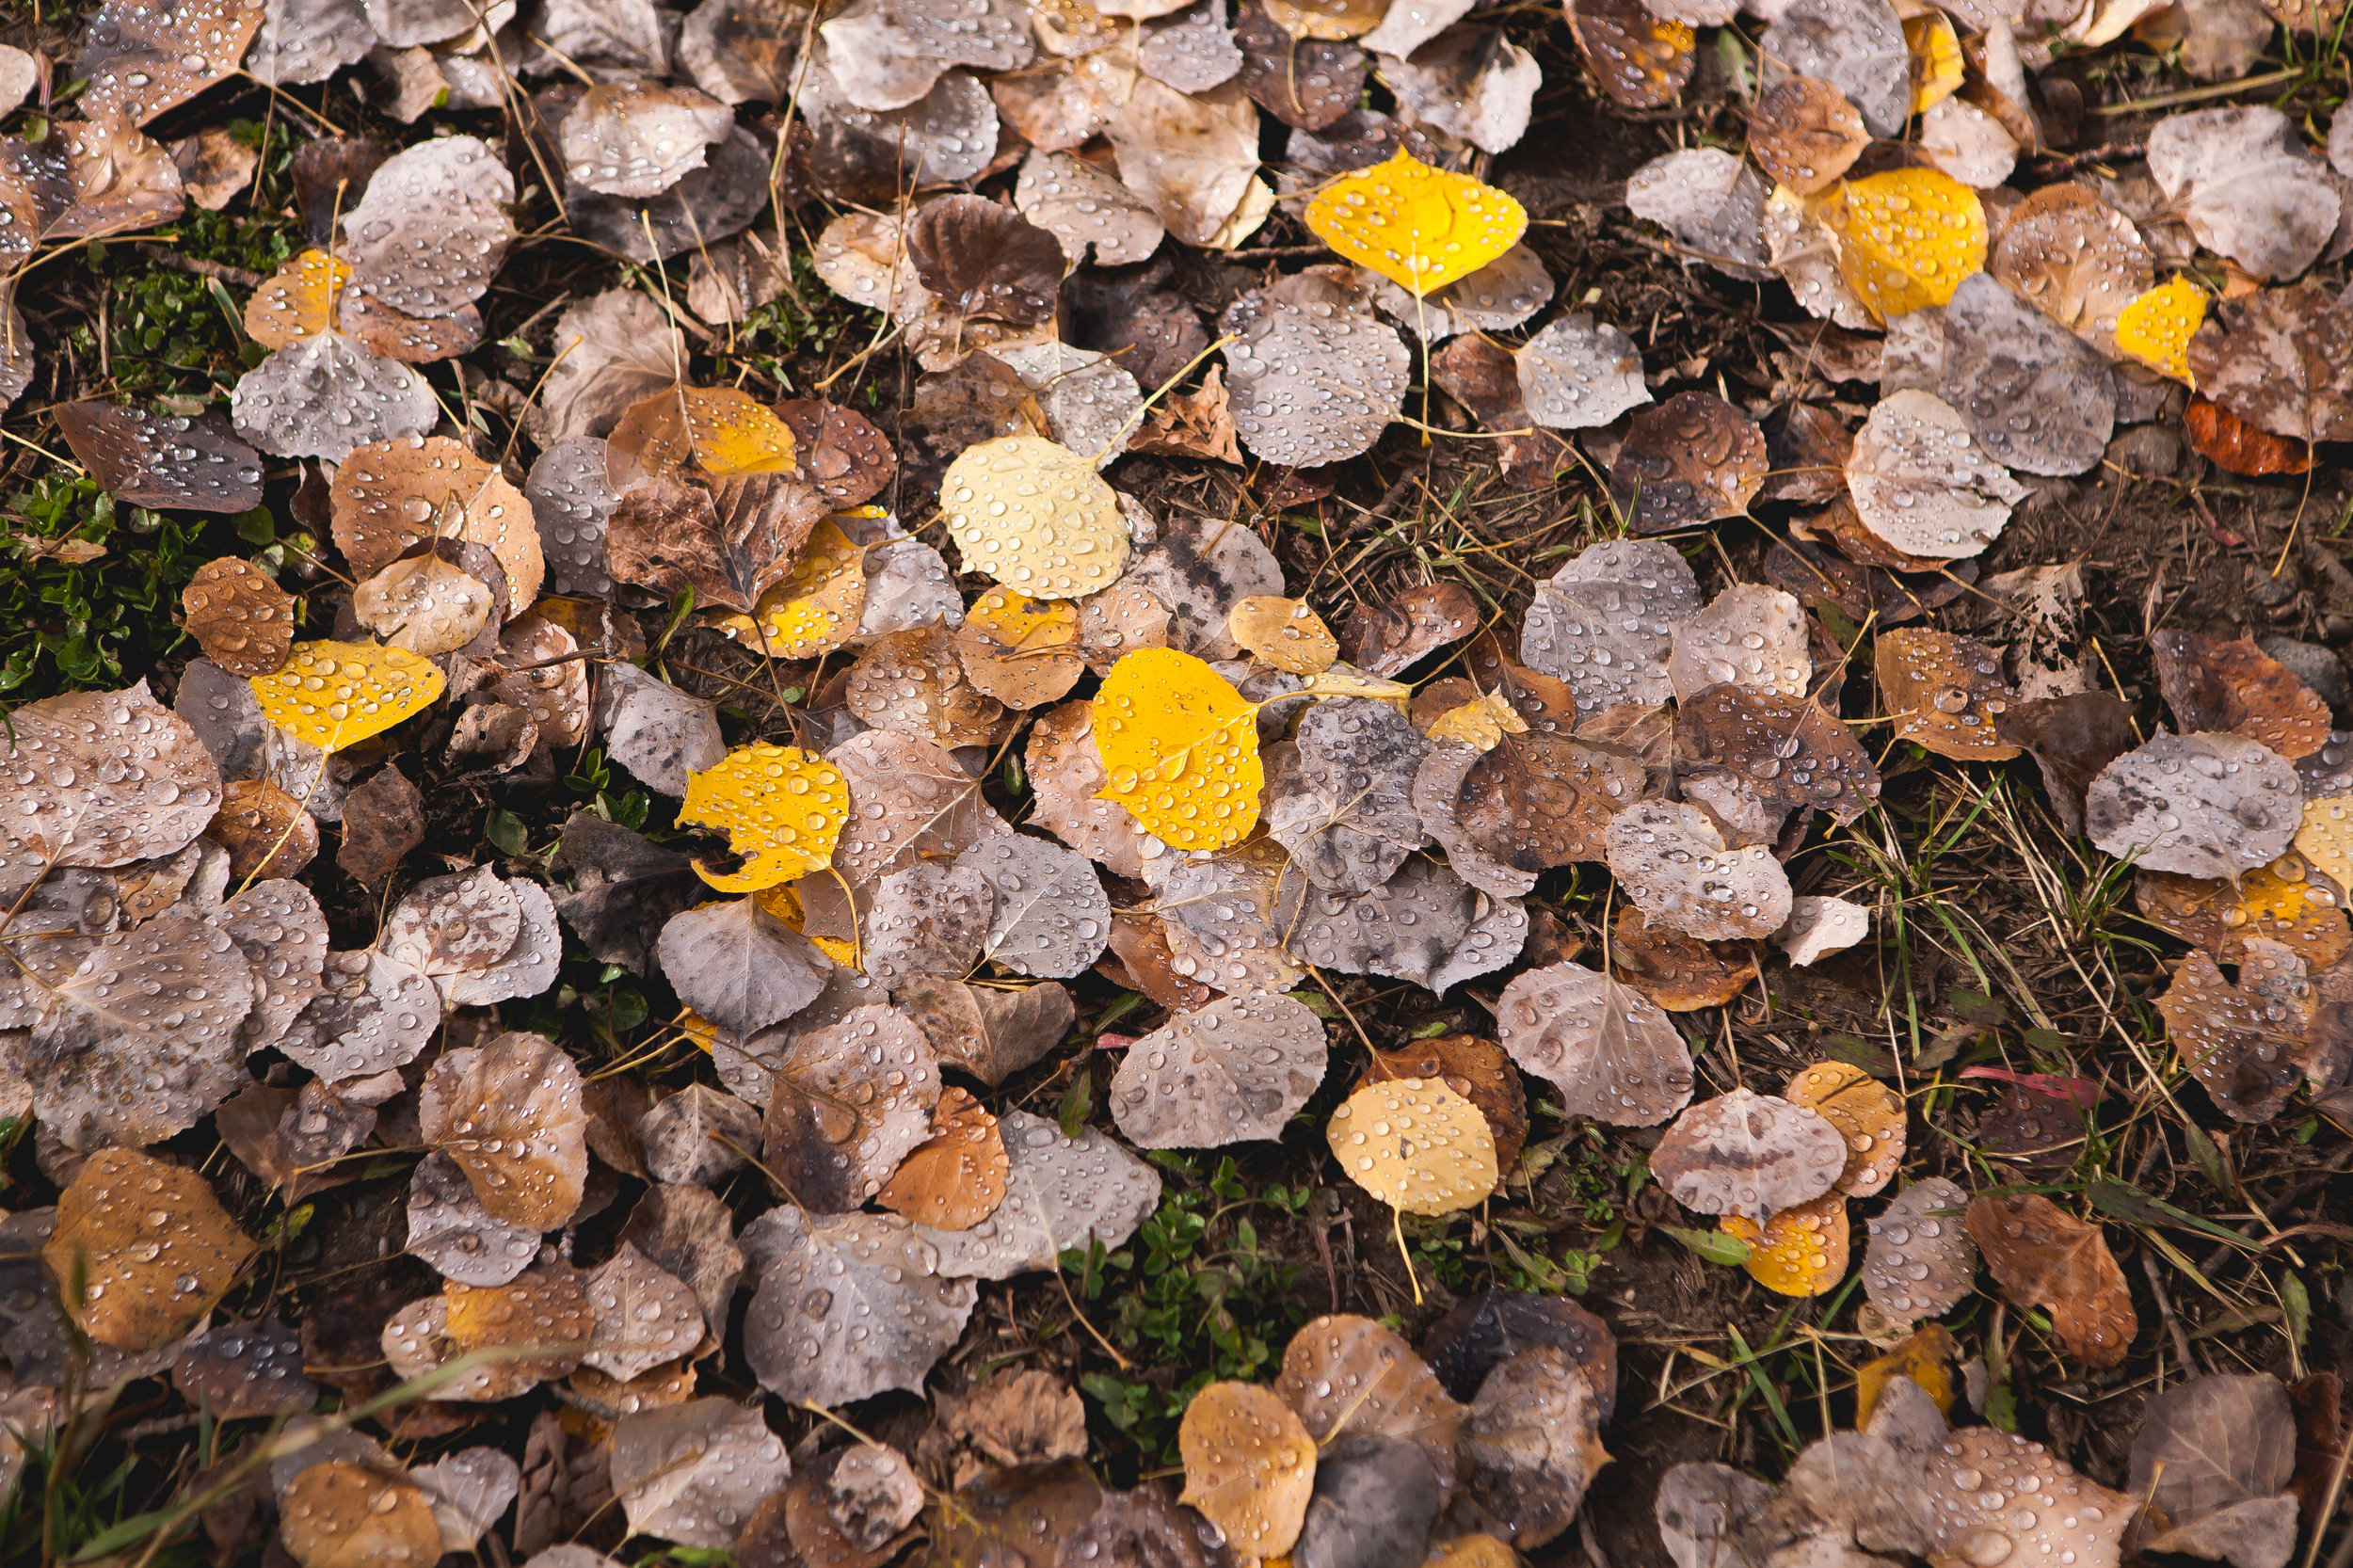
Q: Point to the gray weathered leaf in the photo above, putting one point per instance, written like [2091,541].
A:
[1749,1154]
[2247,187]
[740,966]
[1219,915]
[1201,567]
[690,1235]
[1051,917]
[2038,396]
[329,395]
[571,499]
[431,231]
[1712,202]
[1749,635]
[1087,209]
[1612,1053]
[658,732]
[645,1316]
[1818,927]
[469,1490]
[928,919]
[847,1305]
[613,350]
[1230,1072]
[283,931]
[301,42]
[450,1229]
[2209,806]
[1920,1262]
[1606,621]
[639,137]
[372,1014]
[103,778]
[1060,1193]
[1855,45]
[1424,924]
[1312,384]
[1920,482]
[1341,798]
[696,1136]
[848,1103]
[1531,1444]
[692,1473]
[1671,860]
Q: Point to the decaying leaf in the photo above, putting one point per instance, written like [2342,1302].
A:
[1233,1071]
[2215,685]
[1749,1155]
[2244,1041]
[1749,635]
[142,1250]
[509,1113]
[955,1178]
[1921,485]
[1692,459]
[1531,1444]
[1945,691]
[850,1102]
[1535,801]
[162,461]
[2209,806]
[1673,862]
[846,1305]
[1610,1050]
[2044,1257]
[339,1514]
[693,1473]
[2215,1455]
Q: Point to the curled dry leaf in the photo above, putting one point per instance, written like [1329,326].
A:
[1233,1071]
[1250,1466]
[2044,1257]
[1750,1155]
[1945,691]
[1610,1052]
[142,1249]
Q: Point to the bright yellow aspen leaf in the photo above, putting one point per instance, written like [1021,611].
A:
[1416,1145]
[781,810]
[1419,227]
[1926,1358]
[733,432]
[1906,238]
[298,301]
[1284,632]
[1936,72]
[334,695]
[1036,516]
[1179,748]
[2156,328]
[2326,838]
[1799,1251]
[1483,724]
[815,610]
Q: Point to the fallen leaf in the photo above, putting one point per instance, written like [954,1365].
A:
[1749,1155]
[333,695]
[1905,237]
[1641,60]
[1250,1466]
[1867,1114]
[2200,805]
[338,1514]
[1060,1193]
[847,1305]
[240,1370]
[1804,132]
[509,1113]
[1675,971]
[2044,1257]
[955,1178]
[1801,1251]
[2235,686]
[2244,1041]
[1749,635]
[142,1250]
[1692,459]
[1945,691]
[1180,749]
[1416,1145]
[1671,861]
[1234,1071]
[781,808]
[1924,1359]
[1309,349]
[1610,1052]
[1531,1445]
[1921,485]
[2239,177]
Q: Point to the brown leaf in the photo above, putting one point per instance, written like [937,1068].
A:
[2212,684]
[1692,459]
[1473,1067]
[2043,1133]
[293,1139]
[240,1370]
[1539,800]
[984,260]
[1485,379]
[266,830]
[509,1112]
[2214,1443]
[847,1107]
[914,683]
[1611,1052]
[2071,738]
[2290,901]
[1018,1417]
[839,451]
[955,1180]
[1386,638]
[383,819]
[1860,592]
[1345,1374]
[1197,423]
[1751,759]
[1805,134]
[2044,1257]
[1152,329]
[730,541]
[1678,972]
[1867,1114]
[1482,1331]
[142,1250]
[162,461]
[339,1514]
[1531,1444]
[1002,1516]
[2281,359]
[1640,60]
[142,59]
[393,494]
[2244,1041]
[1943,692]
[1306,82]
[2230,442]
[847,1510]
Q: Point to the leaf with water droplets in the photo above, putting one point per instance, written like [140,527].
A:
[1857,46]
[1180,749]
[2291,902]
[241,617]
[2244,1041]
[1905,237]
[781,808]
[2075,1517]
[138,1034]
[955,1178]
[1945,693]
[1680,973]
[1799,1251]
[1051,915]
[2038,398]
[391,495]
[813,612]
[1083,206]
[240,1371]
[1751,760]
[2244,182]
[1034,516]
[2156,327]
[449,1228]
[333,695]
[1484,1330]
[2211,806]
[847,1105]
[1605,621]
[1284,632]
[1611,1052]
[1818,927]
[1316,376]
[142,1250]
[1060,1193]
[1920,1262]
[1233,1071]
[103,779]
[1348,1376]
[639,137]
[1692,459]
[1025,1512]
[1920,483]
[1418,226]
[141,58]
[847,1305]
[1535,801]
[2044,1257]
[928,919]
[1250,1466]
[1642,61]
[2215,685]
[1342,795]
[1749,1154]
[1531,1444]
[738,965]
[1424,924]
[1805,134]
[161,461]
[326,396]
[432,228]
[1867,1114]
[643,1316]
[2075,259]
[1671,861]
[1416,1145]
[339,1514]
[698,1135]
[509,1112]
[543,1312]
[469,1491]
[1749,635]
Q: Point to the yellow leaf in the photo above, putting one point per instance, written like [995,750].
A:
[1936,72]
[1179,748]
[699,1029]
[2156,328]
[2326,838]
[1250,1466]
[733,433]
[1036,516]
[815,610]
[781,810]
[1418,227]
[1799,1251]
[1483,724]
[335,695]
[1867,1116]
[298,301]
[1926,1358]
[1906,238]
[1416,1145]
[1284,632]
[142,1251]
[1020,651]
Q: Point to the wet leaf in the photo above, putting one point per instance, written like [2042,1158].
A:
[2211,806]
[1945,691]
[2044,1257]
[509,1113]
[141,59]
[1906,238]
[162,461]
[1536,800]
[1423,924]
[1531,1444]
[1305,81]
[449,1228]
[1051,917]
[696,1137]
[914,683]
[692,1473]
[1608,1051]
[338,1514]
[2244,1041]
[847,1305]
[142,1250]
[1473,1068]
[1749,1155]
[265,829]
[1749,635]
[1675,971]
[1923,1360]
[2242,181]
[644,1317]
[1002,1516]
[1316,377]
[1867,1114]
[1805,134]
[2212,1444]
[2215,685]
[955,1180]
[2077,260]
[1416,1145]
[1193,158]
[1799,1251]
[1671,861]
[333,695]
[1979,1462]
[2038,396]
[1690,460]
[1180,749]
[1711,202]
[103,779]
[2156,327]
[1920,483]
[2281,359]
[373,1013]
[1233,1071]
[848,1104]
[244,1369]
[738,966]
[1818,927]
[781,808]
[2290,901]
[1060,1193]
[1250,1466]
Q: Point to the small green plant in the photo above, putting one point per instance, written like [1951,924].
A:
[87,587]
